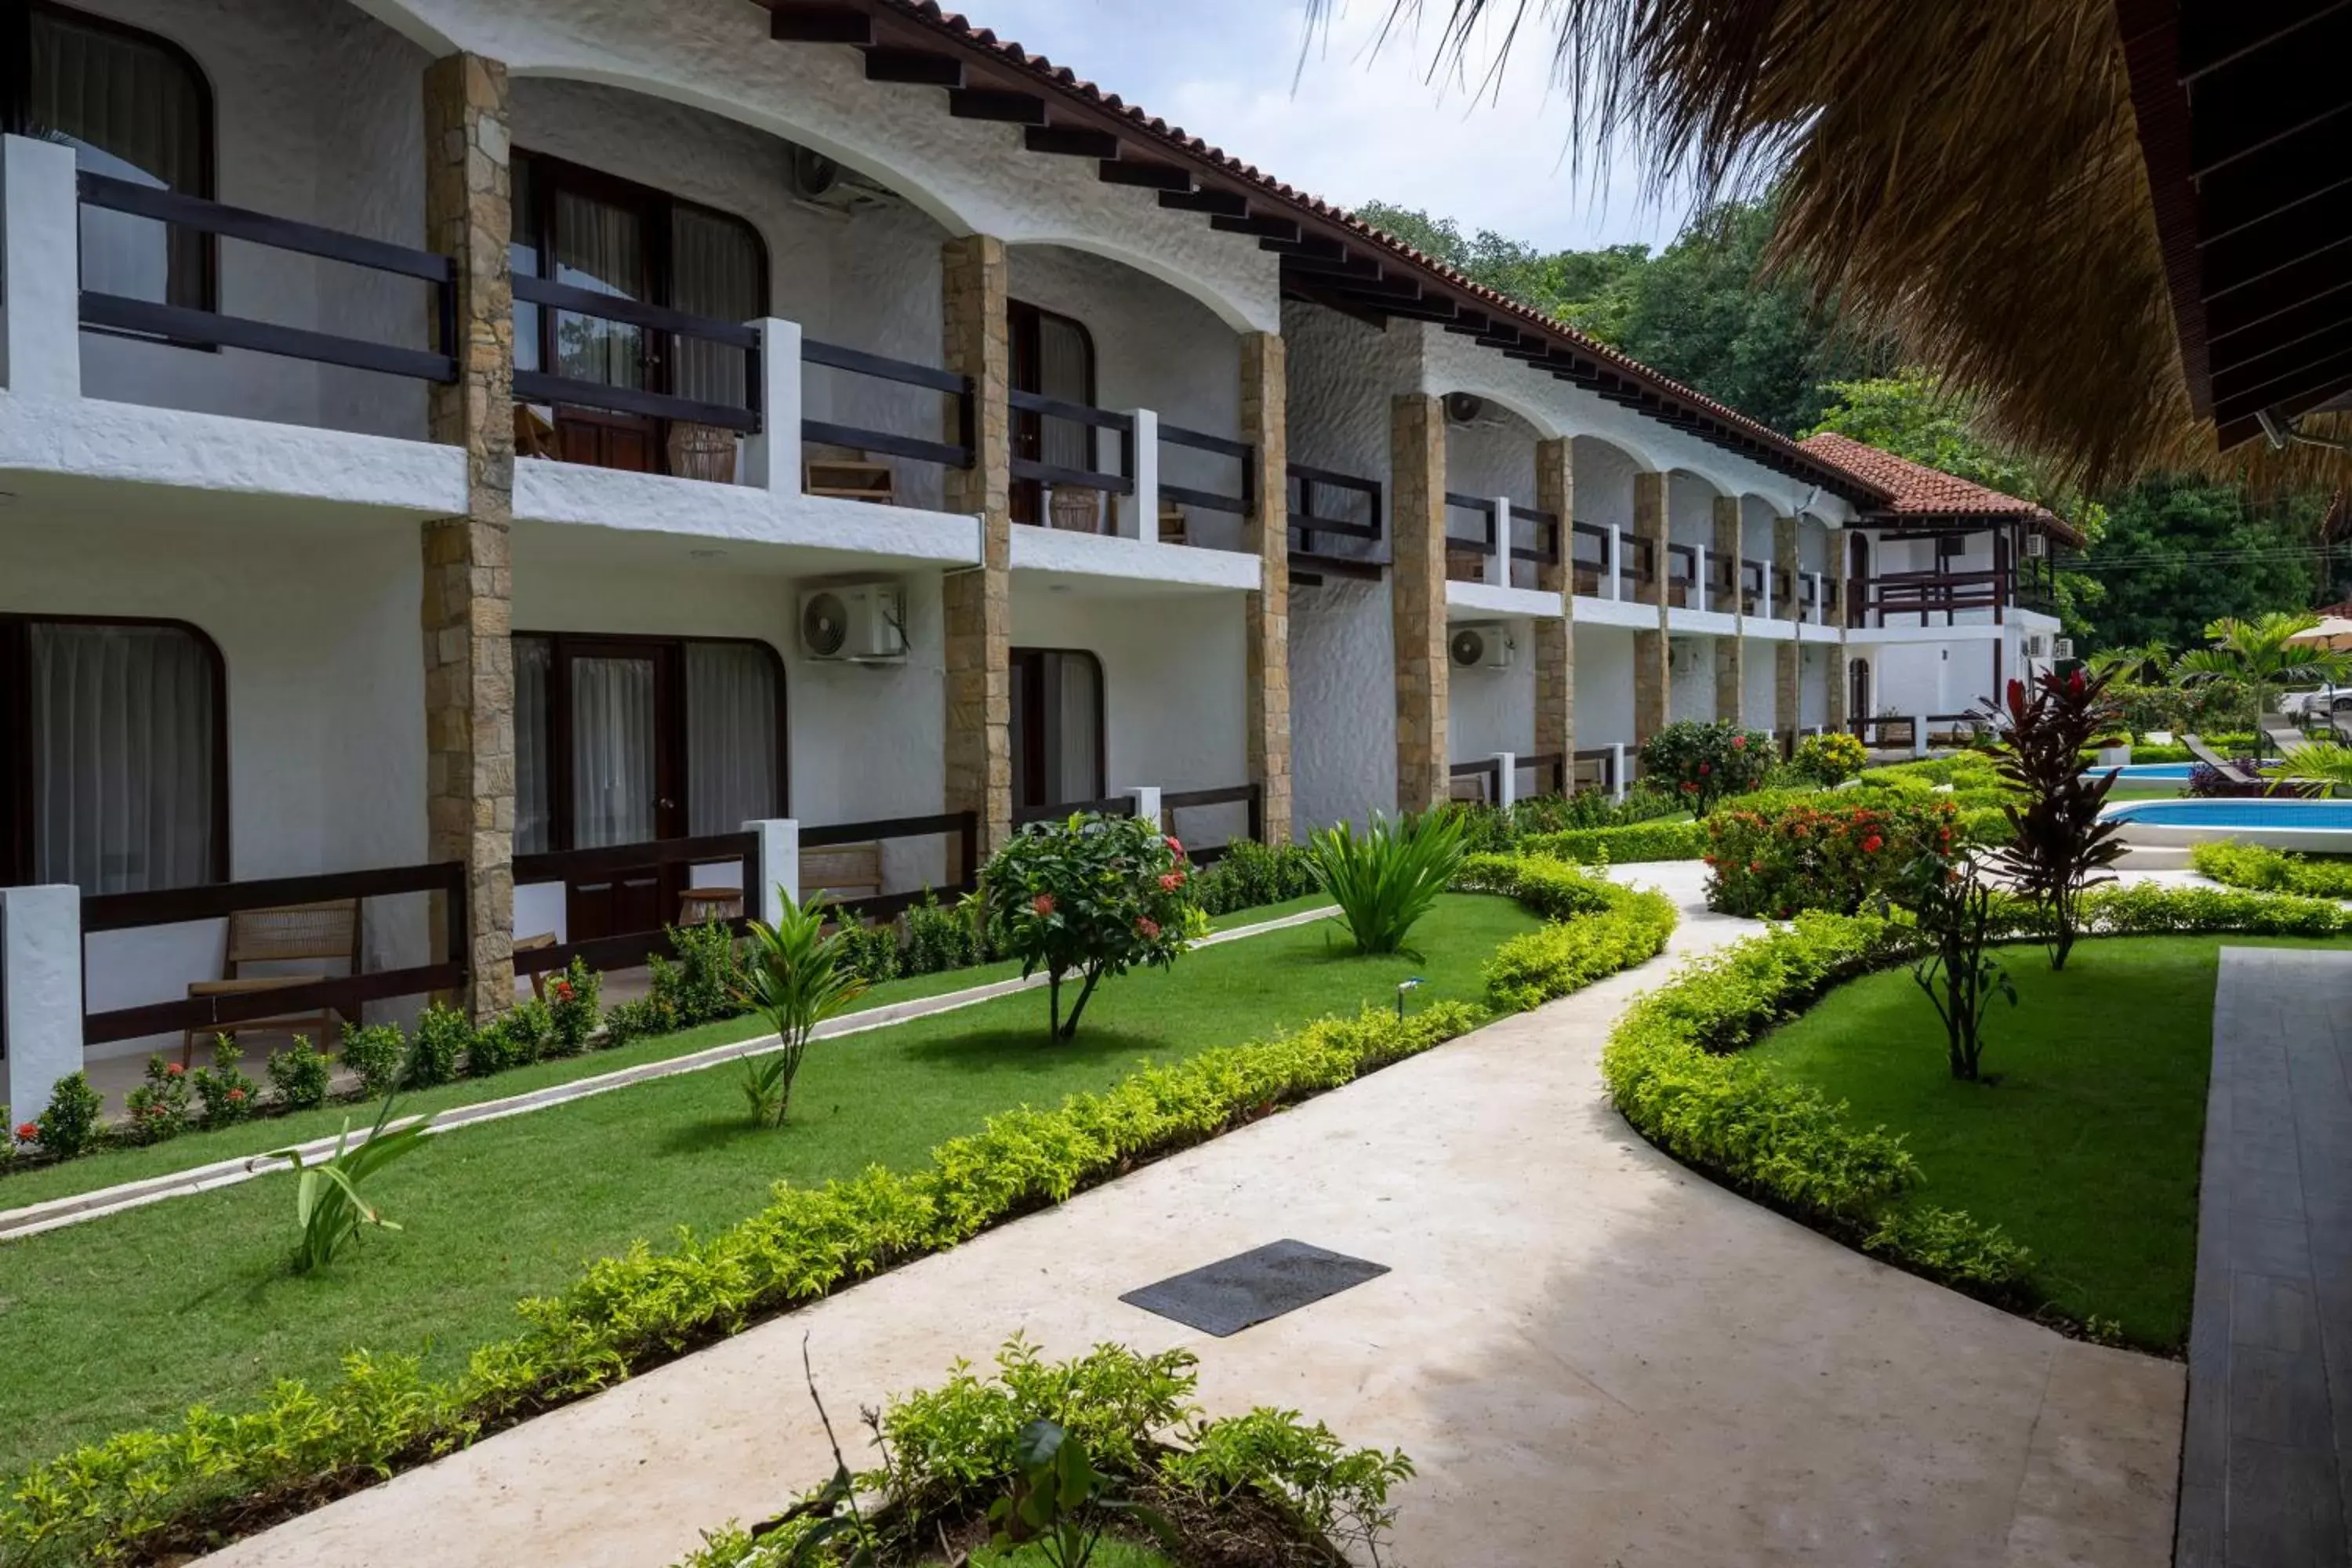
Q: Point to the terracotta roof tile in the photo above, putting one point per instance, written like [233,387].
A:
[1920,491]
[927,12]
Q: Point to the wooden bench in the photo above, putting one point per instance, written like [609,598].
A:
[294,934]
[847,475]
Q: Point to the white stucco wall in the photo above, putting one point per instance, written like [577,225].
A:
[1813,685]
[1759,691]
[1489,710]
[1690,690]
[1342,703]
[1604,687]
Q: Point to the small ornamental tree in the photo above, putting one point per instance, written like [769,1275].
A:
[1090,897]
[1701,763]
[1954,907]
[2059,845]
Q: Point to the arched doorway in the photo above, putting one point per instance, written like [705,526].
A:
[1858,693]
[1858,580]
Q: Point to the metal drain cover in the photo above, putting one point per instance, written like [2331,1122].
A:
[1225,1297]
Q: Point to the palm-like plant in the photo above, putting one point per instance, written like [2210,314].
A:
[2146,662]
[1385,880]
[328,1207]
[2262,653]
[799,977]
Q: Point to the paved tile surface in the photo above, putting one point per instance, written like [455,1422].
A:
[1597,1359]
[2264,1464]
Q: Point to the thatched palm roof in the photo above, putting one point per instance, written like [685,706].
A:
[1969,174]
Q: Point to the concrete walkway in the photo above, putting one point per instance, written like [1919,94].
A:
[1593,1356]
[2269,1442]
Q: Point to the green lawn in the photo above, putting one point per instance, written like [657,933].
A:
[38,1184]
[2086,1149]
[125,1320]
[2151,789]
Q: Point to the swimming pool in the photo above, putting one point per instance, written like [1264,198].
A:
[2151,771]
[2278,823]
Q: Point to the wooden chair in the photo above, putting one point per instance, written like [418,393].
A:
[698,905]
[848,475]
[1172,524]
[846,872]
[294,934]
[538,942]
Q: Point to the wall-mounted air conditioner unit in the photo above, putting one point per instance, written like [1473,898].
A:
[2037,545]
[2062,648]
[1487,645]
[863,623]
[2036,645]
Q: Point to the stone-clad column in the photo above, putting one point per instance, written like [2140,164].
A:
[1555,640]
[1267,534]
[979,600]
[1417,526]
[1731,652]
[469,582]
[1788,667]
[1652,680]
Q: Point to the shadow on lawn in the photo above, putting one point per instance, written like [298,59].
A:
[1028,1053]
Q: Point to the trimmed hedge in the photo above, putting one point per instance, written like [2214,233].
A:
[1642,841]
[2273,870]
[1598,928]
[214,1474]
[1673,1069]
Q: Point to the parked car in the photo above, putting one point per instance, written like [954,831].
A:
[2317,707]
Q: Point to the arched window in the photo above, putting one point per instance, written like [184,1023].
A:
[113,770]
[137,107]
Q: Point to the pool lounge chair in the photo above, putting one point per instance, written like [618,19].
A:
[2231,773]
[2288,741]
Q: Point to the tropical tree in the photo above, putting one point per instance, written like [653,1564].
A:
[2148,662]
[2262,653]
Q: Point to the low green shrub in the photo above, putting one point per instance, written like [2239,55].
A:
[2253,867]
[443,1040]
[516,1036]
[1569,954]
[1250,874]
[639,1018]
[705,980]
[1819,852]
[224,1090]
[2143,909]
[376,1053]
[1386,879]
[1637,842]
[868,952]
[73,1122]
[299,1076]
[572,1009]
[157,1111]
[941,937]
[1831,758]
[1947,1245]
[1703,761]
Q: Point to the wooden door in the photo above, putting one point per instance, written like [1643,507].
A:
[624,739]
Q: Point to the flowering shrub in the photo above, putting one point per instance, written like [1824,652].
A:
[157,1109]
[1836,857]
[228,1095]
[572,1009]
[1088,897]
[300,1076]
[1703,763]
[1830,760]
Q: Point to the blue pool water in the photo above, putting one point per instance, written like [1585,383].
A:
[2330,815]
[2153,771]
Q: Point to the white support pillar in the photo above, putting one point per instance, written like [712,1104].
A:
[1764,601]
[1617,772]
[1498,565]
[1147,804]
[40,272]
[771,459]
[1918,734]
[40,993]
[1140,518]
[1615,588]
[1699,589]
[780,867]
[1506,779]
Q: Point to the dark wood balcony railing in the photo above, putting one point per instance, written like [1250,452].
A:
[961,828]
[188,327]
[1543,528]
[1926,593]
[954,454]
[1326,507]
[575,868]
[547,386]
[1245,455]
[1122,483]
[344,994]
[1637,562]
[1682,575]
[1549,772]
[1249,795]
[1487,772]
[1588,557]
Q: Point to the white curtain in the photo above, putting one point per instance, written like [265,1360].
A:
[133,110]
[534,831]
[1065,367]
[612,751]
[731,737]
[714,272]
[1075,746]
[599,246]
[122,737]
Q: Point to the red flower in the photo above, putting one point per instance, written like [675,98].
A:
[1703,769]
[1148,927]
[173,1069]
[236,1096]
[563,991]
[1044,904]
[1689,788]
[1738,743]
[1707,860]
[29,1132]
[1170,880]
[1872,845]
[1174,846]
[1754,867]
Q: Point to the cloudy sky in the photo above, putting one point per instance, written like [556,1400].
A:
[1352,124]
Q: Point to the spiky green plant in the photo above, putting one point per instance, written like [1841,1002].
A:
[1387,878]
[328,1207]
[799,977]
[2262,653]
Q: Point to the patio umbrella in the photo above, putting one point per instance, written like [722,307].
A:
[2332,632]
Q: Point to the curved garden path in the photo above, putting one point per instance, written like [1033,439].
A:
[1594,1356]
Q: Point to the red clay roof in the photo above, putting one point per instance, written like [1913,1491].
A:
[1922,493]
[1857,487]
